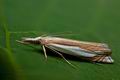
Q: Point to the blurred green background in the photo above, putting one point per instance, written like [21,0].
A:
[90,20]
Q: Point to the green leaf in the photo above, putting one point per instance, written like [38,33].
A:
[90,20]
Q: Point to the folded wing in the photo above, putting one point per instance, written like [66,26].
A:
[72,50]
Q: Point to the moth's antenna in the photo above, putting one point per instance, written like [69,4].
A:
[28,32]
[23,32]
[62,33]
[43,35]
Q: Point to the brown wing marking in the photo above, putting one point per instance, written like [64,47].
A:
[96,49]
[102,58]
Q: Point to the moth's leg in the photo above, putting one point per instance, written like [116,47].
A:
[44,51]
[63,57]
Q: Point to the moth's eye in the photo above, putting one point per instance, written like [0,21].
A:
[40,40]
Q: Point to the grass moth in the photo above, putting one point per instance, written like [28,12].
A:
[91,51]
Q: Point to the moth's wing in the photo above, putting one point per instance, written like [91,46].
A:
[96,48]
[95,44]
[71,50]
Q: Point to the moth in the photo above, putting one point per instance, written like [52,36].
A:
[91,51]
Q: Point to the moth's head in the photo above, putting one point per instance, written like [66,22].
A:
[30,40]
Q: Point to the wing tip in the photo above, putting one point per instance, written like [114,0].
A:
[108,59]
[104,59]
